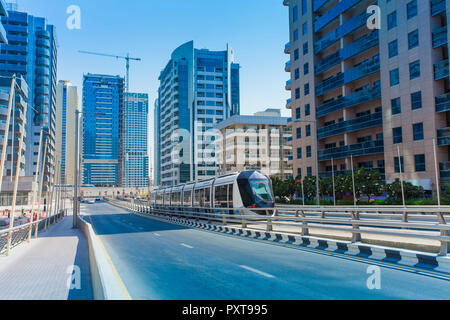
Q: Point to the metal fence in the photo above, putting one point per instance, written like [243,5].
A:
[399,221]
[22,233]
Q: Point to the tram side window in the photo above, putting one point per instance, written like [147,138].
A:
[197,198]
[187,198]
[158,198]
[230,196]
[207,197]
[167,199]
[221,197]
[176,198]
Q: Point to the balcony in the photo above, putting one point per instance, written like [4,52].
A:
[348,27]
[441,70]
[288,103]
[437,7]
[362,44]
[288,85]
[287,66]
[286,3]
[359,149]
[364,69]
[440,37]
[319,4]
[328,174]
[287,48]
[351,100]
[443,137]
[333,13]
[356,124]
[444,168]
[443,103]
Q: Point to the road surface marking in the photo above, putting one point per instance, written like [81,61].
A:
[157,234]
[187,246]
[257,271]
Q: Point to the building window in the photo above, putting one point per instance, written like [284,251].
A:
[295,14]
[392,20]
[296,54]
[411,9]
[295,36]
[413,39]
[297,93]
[299,133]
[308,130]
[393,49]
[396,106]
[394,77]
[299,153]
[298,113]
[308,152]
[414,70]
[397,134]
[307,109]
[309,171]
[397,165]
[419,160]
[299,172]
[305,28]
[418,131]
[297,74]
[305,48]
[306,89]
[304,7]
[416,100]
[306,68]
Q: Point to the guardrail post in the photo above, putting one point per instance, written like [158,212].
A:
[445,247]
[244,224]
[356,237]
[405,218]
[224,218]
[269,226]
[305,229]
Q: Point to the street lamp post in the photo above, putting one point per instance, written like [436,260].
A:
[76,204]
[316,146]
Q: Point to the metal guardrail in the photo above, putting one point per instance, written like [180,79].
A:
[22,233]
[389,221]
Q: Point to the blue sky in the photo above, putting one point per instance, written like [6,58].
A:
[152,29]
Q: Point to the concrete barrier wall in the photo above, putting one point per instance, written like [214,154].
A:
[106,285]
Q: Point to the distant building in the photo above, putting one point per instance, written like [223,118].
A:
[134,161]
[32,53]
[66,104]
[103,98]
[258,142]
[198,89]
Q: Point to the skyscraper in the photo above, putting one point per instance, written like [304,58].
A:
[31,52]
[66,104]
[103,98]
[375,93]
[198,89]
[134,162]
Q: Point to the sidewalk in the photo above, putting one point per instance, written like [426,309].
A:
[41,270]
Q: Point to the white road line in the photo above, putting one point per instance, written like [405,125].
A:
[157,234]
[187,246]
[257,271]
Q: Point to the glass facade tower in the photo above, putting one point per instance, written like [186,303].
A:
[134,170]
[198,89]
[103,98]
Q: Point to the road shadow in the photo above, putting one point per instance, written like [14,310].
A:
[110,224]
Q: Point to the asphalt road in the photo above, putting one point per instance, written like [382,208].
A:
[162,261]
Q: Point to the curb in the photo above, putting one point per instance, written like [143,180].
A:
[411,258]
[104,281]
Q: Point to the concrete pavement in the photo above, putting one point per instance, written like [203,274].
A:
[158,260]
[42,269]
